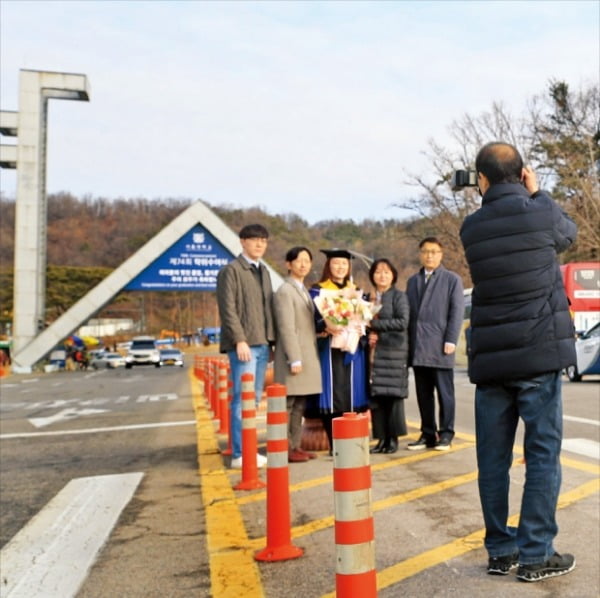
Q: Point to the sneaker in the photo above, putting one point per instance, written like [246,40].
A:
[501,565]
[557,564]
[444,444]
[261,461]
[419,445]
[237,462]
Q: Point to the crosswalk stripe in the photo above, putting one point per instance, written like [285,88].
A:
[50,557]
[582,446]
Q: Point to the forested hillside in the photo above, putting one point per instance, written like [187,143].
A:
[87,238]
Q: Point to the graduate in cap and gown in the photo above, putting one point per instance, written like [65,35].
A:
[344,374]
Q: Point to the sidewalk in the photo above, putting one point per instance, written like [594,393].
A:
[428,526]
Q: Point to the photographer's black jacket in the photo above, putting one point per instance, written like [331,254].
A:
[520,320]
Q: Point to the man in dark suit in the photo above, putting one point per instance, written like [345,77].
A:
[436,300]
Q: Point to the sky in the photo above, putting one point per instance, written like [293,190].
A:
[320,109]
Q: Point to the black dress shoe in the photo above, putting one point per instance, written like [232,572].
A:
[421,444]
[379,447]
[445,444]
[391,446]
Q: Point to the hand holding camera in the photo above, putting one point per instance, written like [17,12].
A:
[529,180]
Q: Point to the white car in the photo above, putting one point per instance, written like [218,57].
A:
[107,360]
[587,347]
[142,351]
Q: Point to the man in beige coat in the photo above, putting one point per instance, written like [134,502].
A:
[296,359]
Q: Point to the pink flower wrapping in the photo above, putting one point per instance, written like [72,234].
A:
[351,313]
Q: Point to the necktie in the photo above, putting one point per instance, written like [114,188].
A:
[307,296]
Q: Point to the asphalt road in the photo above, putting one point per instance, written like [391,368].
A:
[70,425]
[63,426]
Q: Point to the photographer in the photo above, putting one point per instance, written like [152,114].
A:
[522,337]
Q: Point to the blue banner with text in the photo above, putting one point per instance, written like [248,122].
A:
[190,264]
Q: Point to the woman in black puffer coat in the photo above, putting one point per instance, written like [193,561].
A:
[388,359]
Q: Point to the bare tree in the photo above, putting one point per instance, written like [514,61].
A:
[444,210]
[558,135]
[566,135]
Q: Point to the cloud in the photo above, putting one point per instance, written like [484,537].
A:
[315,108]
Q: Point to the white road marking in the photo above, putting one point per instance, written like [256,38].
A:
[58,403]
[98,430]
[51,556]
[64,415]
[168,396]
[582,446]
[581,420]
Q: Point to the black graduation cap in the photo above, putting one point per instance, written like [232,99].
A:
[337,253]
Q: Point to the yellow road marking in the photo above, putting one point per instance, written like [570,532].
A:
[305,485]
[380,505]
[230,549]
[226,536]
[587,467]
[436,556]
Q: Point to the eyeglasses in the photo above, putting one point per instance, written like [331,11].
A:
[430,251]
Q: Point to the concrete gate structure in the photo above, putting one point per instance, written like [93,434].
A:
[209,244]
[28,156]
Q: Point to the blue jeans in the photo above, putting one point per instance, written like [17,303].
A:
[256,366]
[537,401]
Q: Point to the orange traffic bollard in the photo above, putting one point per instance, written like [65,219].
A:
[279,533]
[199,368]
[208,381]
[228,450]
[214,373]
[354,528]
[222,398]
[250,479]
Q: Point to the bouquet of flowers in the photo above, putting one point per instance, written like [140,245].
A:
[348,311]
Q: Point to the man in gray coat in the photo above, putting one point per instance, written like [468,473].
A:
[244,295]
[436,303]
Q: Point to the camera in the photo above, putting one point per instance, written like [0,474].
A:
[463,178]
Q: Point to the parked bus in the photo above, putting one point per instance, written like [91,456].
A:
[582,284]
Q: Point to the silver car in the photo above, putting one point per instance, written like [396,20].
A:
[587,347]
[171,357]
[107,360]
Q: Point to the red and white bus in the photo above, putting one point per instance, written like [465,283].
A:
[582,284]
